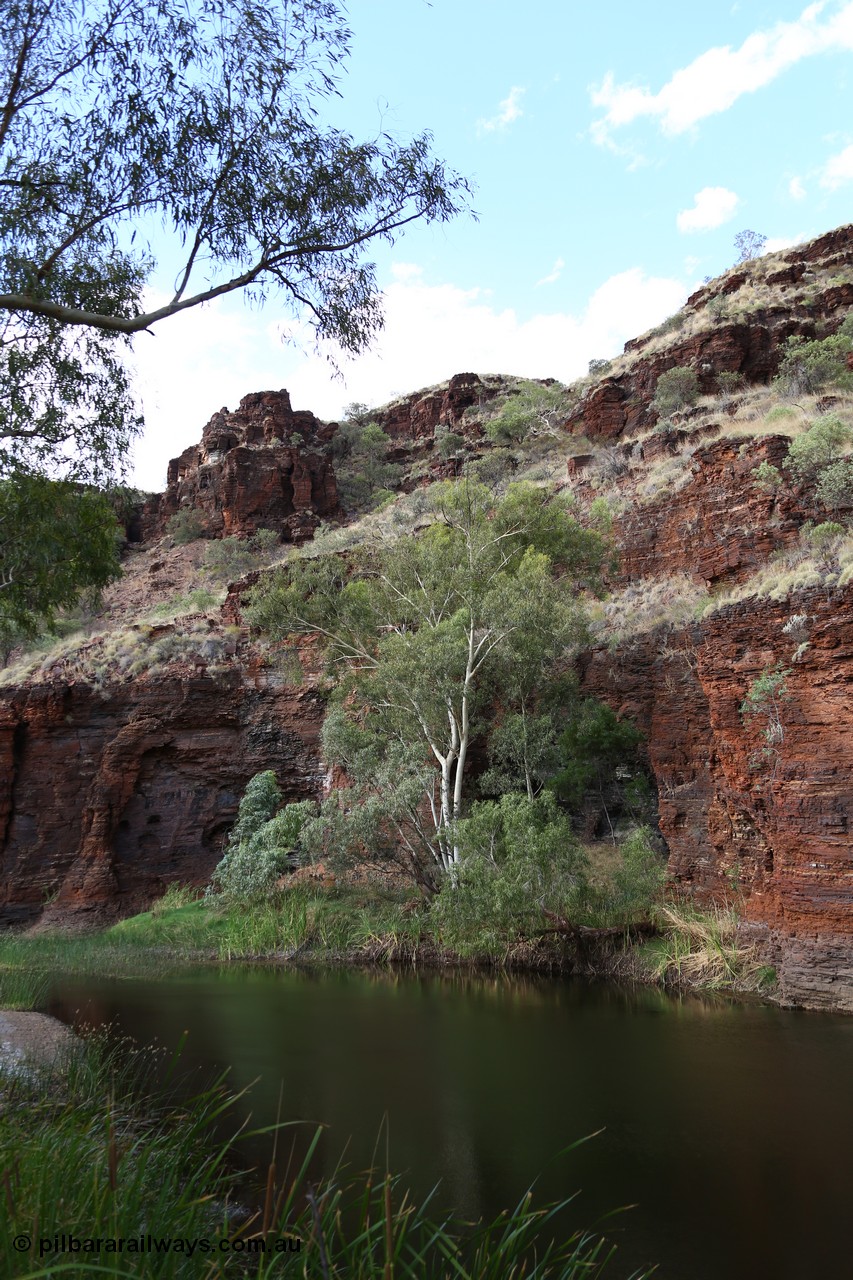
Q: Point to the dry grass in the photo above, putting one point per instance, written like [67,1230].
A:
[700,948]
[795,569]
[646,605]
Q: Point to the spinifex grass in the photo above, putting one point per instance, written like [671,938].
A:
[700,948]
[95,1155]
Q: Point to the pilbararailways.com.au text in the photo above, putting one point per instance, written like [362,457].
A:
[67,1243]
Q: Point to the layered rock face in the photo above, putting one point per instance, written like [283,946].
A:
[263,466]
[108,797]
[774,826]
[416,417]
[745,339]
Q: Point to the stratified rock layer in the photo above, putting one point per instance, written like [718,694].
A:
[263,466]
[108,797]
[749,344]
[773,825]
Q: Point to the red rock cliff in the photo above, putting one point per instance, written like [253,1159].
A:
[108,797]
[262,466]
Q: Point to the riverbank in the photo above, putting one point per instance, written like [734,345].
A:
[676,946]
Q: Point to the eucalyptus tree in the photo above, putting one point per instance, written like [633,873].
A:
[144,133]
[425,634]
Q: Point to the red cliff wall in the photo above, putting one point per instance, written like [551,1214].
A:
[107,797]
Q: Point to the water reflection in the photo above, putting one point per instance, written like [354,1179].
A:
[729,1124]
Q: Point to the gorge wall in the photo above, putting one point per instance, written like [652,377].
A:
[111,788]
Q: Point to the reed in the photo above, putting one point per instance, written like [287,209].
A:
[99,1154]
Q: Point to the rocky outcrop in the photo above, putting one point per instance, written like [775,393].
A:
[741,321]
[773,825]
[415,417]
[720,525]
[263,466]
[108,797]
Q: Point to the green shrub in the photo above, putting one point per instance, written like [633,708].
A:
[767,477]
[598,367]
[835,485]
[818,447]
[729,382]
[639,878]
[675,390]
[448,444]
[518,856]
[185,526]
[808,366]
[532,410]
[261,841]
[227,559]
[718,307]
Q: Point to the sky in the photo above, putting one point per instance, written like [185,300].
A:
[616,150]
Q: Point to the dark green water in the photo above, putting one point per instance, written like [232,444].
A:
[729,1126]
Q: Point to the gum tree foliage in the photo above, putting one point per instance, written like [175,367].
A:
[56,538]
[261,841]
[132,130]
[425,633]
[592,749]
[749,245]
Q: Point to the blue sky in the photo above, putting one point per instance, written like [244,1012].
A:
[616,149]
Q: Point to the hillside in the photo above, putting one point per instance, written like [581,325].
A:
[126,743]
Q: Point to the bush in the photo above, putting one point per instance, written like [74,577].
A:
[261,842]
[533,410]
[639,878]
[675,390]
[835,485]
[729,383]
[185,526]
[818,447]
[808,366]
[518,856]
[448,444]
[767,477]
[229,558]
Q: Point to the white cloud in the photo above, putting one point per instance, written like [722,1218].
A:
[775,243]
[554,274]
[712,206]
[715,80]
[796,190]
[838,170]
[200,362]
[510,111]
